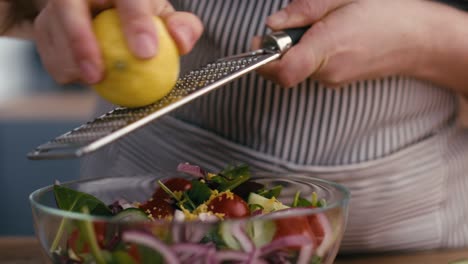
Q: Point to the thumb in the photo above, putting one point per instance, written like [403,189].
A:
[304,59]
[300,13]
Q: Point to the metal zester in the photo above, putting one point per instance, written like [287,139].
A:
[117,123]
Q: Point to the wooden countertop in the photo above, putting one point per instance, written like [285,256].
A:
[26,250]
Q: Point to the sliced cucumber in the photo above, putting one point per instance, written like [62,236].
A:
[130,215]
[269,205]
[261,232]
[225,231]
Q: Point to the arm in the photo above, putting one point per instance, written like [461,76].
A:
[363,39]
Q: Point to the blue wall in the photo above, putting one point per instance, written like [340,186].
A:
[21,74]
[20,176]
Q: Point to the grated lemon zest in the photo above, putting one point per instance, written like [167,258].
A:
[178,194]
[210,175]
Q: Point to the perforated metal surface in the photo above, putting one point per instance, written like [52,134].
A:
[121,121]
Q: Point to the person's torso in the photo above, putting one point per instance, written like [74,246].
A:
[310,123]
[391,141]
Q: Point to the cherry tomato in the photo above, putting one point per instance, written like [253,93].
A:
[317,228]
[76,243]
[79,244]
[309,226]
[159,205]
[159,208]
[294,226]
[174,184]
[100,232]
[134,253]
[231,206]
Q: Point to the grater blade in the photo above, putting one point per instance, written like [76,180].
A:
[119,122]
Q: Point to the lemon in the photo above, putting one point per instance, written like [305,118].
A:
[130,81]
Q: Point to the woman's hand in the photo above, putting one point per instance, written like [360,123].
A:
[68,47]
[351,40]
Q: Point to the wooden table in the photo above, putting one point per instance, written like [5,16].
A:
[26,250]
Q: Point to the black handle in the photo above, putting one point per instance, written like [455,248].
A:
[296,33]
[283,40]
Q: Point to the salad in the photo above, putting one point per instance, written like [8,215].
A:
[203,217]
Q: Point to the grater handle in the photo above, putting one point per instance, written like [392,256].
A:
[283,40]
[296,33]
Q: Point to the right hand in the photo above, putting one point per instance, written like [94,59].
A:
[68,47]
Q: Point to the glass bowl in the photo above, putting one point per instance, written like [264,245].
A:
[299,235]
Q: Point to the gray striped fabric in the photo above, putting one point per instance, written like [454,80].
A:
[392,141]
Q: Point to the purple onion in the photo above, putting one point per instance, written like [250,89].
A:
[115,207]
[119,205]
[285,242]
[210,257]
[257,212]
[151,242]
[189,169]
[191,248]
[327,240]
[306,254]
[238,232]
[254,257]
[231,255]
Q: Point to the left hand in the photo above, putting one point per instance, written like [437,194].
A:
[350,40]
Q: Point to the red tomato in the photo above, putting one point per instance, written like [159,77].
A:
[231,206]
[76,243]
[133,252]
[158,206]
[79,244]
[317,228]
[309,226]
[174,184]
[294,226]
[100,231]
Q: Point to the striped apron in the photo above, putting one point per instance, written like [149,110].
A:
[392,141]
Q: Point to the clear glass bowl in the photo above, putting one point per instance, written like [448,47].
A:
[307,235]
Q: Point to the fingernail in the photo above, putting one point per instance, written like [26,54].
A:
[89,72]
[144,46]
[277,18]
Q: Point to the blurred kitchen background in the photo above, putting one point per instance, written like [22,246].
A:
[34,109]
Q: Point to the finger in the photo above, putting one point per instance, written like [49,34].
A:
[75,18]
[302,60]
[185,28]
[301,13]
[138,27]
[161,7]
[60,66]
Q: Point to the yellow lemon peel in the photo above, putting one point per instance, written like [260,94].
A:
[130,81]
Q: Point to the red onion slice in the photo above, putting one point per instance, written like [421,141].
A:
[230,255]
[151,242]
[238,232]
[191,248]
[328,240]
[322,220]
[189,169]
[306,254]
[285,242]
